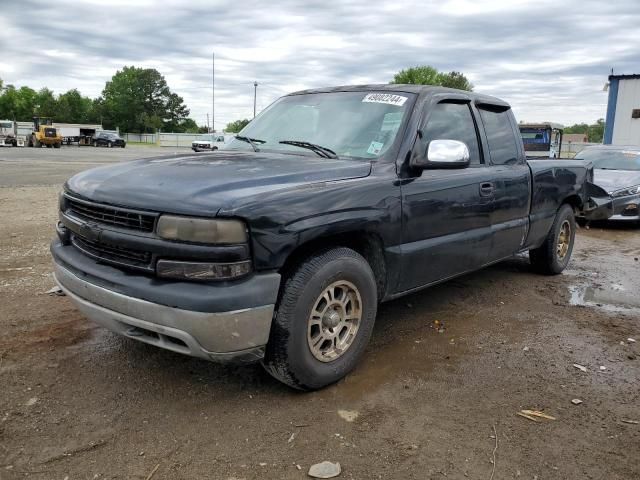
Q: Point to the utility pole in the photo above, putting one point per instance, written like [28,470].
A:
[213,91]
[255,93]
[208,129]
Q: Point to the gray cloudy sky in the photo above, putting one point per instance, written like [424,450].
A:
[548,58]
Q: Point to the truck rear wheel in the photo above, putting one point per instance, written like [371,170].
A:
[324,320]
[553,256]
[56,145]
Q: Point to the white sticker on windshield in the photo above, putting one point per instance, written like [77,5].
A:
[375,148]
[389,98]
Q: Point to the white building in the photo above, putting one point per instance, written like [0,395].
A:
[623,111]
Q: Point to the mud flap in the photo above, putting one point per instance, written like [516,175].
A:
[599,204]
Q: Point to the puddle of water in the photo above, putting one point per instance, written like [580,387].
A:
[612,298]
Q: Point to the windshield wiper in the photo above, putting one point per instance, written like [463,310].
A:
[251,141]
[320,150]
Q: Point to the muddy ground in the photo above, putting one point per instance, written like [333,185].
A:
[78,402]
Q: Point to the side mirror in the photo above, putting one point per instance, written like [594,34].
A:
[444,154]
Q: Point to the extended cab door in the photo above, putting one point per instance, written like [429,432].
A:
[510,181]
[445,225]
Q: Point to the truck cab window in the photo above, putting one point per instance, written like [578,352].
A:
[453,121]
[500,136]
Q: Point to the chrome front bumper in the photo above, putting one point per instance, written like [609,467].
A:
[237,336]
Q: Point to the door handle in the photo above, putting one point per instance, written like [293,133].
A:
[486,189]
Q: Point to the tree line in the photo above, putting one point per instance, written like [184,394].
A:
[135,100]
[138,100]
[594,132]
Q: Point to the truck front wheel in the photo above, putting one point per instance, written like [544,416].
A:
[553,256]
[324,320]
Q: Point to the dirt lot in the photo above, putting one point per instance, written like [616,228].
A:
[78,402]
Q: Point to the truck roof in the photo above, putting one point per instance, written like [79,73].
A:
[559,126]
[408,88]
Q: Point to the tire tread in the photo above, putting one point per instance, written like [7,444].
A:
[276,360]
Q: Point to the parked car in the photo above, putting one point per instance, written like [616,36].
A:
[617,171]
[208,143]
[108,139]
[280,248]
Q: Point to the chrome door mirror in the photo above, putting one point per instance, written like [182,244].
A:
[444,154]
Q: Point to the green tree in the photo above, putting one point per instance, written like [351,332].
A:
[428,75]
[46,103]
[177,113]
[595,132]
[188,125]
[235,127]
[139,100]
[18,104]
[456,80]
[74,108]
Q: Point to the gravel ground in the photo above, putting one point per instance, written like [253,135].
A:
[78,402]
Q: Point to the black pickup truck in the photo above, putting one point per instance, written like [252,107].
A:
[279,248]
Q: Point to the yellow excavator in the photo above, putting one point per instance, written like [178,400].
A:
[44,133]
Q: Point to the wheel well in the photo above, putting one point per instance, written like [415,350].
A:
[367,244]
[575,201]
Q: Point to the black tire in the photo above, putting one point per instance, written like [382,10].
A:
[546,259]
[56,145]
[213,149]
[288,355]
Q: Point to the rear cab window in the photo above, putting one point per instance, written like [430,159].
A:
[503,148]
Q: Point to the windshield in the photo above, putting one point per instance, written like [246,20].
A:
[611,159]
[351,124]
[6,125]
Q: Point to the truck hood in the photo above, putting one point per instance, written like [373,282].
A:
[612,180]
[200,184]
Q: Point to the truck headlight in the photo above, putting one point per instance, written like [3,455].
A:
[626,191]
[201,230]
[202,270]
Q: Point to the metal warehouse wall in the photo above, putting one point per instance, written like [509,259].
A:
[626,130]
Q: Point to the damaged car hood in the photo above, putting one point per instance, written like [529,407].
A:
[612,180]
[203,184]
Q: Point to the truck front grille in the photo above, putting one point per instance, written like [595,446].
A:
[108,215]
[113,254]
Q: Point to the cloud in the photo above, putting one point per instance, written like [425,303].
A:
[549,60]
